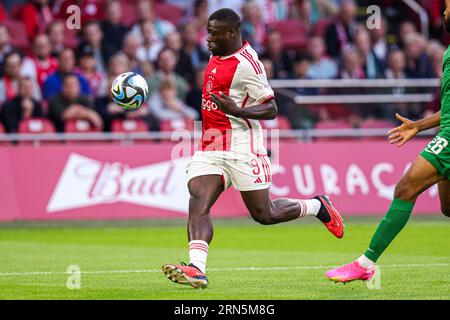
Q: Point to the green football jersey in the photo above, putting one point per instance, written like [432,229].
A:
[445,93]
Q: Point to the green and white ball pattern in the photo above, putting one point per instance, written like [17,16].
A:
[129,90]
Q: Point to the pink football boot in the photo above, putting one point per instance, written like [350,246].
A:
[350,272]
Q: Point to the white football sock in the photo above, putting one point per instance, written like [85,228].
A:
[309,207]
[198,252]
[365,262]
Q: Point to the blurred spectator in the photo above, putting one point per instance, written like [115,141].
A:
[406,28]
[5,46]
[340,34]
[268,67]
[236,5]
[166,64]
[150,47]
[320,67]
[301,10]
[23,106]
[10,81]
[55,32]
[40,64]
[192,55]
[173,41]
[93,41]
[97,80]
[186,5]
[130,47]
[201,15]
[253,28]
[273,10]
[165,104]
[194,96]
[53,83]
[316,9]
[71,104]
[144,13]
[435,52]
[351,65]
[379,42]
[363,45]
[113,30]
[274,51]
[417,63]
[36,15]
[395,65]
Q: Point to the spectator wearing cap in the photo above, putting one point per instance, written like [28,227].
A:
[71,104]
[40,64]
[5,45]
[274,51]
[94,41]
[113,30]
[23,106]
[36,15]
[53,83]
[340,34]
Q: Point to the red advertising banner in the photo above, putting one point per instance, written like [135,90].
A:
[141,181]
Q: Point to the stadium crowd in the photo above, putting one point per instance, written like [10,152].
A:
[48,70]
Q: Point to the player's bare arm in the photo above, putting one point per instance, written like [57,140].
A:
[265,111]
[408,129]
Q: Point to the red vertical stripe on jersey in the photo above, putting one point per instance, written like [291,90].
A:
[252,147]
[252,61]
[258,66]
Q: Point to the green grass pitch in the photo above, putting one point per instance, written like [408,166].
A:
[122,260]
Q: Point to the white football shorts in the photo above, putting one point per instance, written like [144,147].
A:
[245,172]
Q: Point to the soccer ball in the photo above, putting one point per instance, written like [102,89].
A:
[129,90]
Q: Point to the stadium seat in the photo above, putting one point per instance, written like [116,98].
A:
[332,125]
[295,34]
[80,126]
[386,125]
[130,126]
[36,126]
[3,15]
[174,124]
[280,122]
[168,12]
[377,124]
[18,34]
[15,12]
[320,27]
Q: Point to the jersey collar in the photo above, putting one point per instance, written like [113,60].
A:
[244,45]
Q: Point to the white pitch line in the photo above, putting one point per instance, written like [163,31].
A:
[6,274]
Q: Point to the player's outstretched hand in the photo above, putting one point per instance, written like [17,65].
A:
[401,134]
[225,103]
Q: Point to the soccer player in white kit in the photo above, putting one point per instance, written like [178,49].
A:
[235,95]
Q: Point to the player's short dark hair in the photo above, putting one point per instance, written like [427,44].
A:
[227,16]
